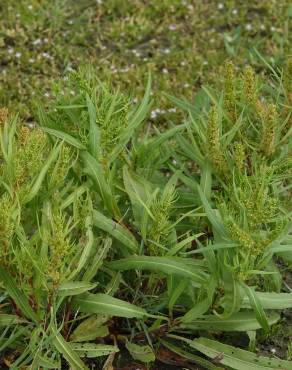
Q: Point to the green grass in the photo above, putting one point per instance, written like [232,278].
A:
[183,43]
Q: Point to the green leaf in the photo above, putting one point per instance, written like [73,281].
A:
[241,321]
[67,351]
[271,301]
[206,180]
[237,358]
[92,350]
[216,223]
[116,230]
[39,180]
[198,310]
[94,133]
[165,265]
[107,305]
[65,137]
[140,353]
[190,356]
[139,192]
[257,307]
[90,329]
[86,252]
[71,288]
[94,169]
[18,297]
[7,319]
[96,260]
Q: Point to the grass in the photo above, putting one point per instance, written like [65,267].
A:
[183,43]
[145,213]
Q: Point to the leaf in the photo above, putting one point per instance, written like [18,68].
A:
[71,288]
[140,353]
[39,180]
[107,305]
[86,252]
[92,350]
[272,301]
[241,321]
[67,351]
[7,319]
[95,262]
[18,297]
[257,307]
[190,356]
[94,133]
[90,329]
[206,180]
[178,290]
[216,223]
[135,119]
[65,137]
[237,358]
[139,192]
[116,230]
[166,265]
[233,292]
[198,310]
[94,169]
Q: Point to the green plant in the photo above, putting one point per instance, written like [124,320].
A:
[117,237]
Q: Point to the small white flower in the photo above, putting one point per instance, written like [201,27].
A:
[220,6]
[46,40]
[273,350]
[70,21]
[172,27]
[186,85]
[190,7]
[31,60]
[248,27]
[165,71]
[205,62]
[183,63]
[18,54]
[102,47]
[99,2]
[262,27]
[29,7]
[145,59]
[174,161]
[135,100]
[10,51]
[234,11]
[46,55]
[172,110]
[153,114]
[46,94]
[37,42]
[273,29]
[166,51]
